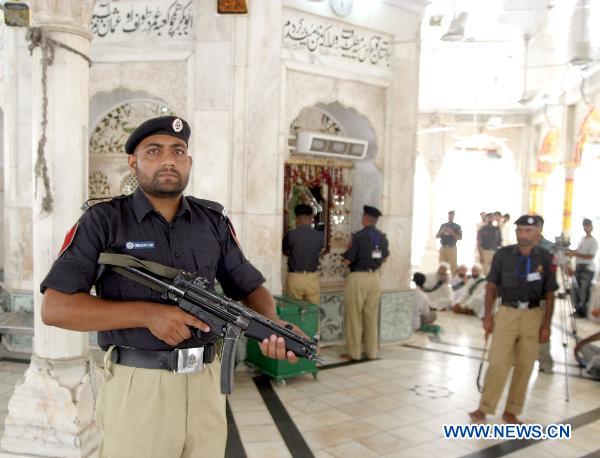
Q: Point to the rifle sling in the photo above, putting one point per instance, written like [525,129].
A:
[118,262]
[125,260]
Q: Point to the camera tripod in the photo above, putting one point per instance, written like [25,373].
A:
[566,309]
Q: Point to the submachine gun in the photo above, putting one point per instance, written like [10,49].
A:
[227,319]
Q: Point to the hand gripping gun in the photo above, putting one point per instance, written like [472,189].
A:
[227,319]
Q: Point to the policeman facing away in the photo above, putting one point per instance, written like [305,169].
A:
[523,275]
[146,409]
[367,252]
[302,246]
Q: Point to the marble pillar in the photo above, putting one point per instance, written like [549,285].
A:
[51,410]
[399,162]
[18,254]
[263,155]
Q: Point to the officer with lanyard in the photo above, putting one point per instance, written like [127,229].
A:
[147,407]
[367,252]
[523,275]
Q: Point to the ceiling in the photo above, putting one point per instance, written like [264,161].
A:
[489,68]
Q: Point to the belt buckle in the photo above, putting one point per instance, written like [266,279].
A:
[522,305]
[189,360]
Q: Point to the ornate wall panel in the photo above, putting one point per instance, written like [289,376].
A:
[108,170]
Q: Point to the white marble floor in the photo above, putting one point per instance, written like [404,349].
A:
[395,406]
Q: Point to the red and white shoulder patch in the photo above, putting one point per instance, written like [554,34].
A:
[68,239]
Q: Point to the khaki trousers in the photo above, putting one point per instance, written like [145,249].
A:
[486,260]
[153,413]
[515,338]
[448,254]
[361,314]
[304,286]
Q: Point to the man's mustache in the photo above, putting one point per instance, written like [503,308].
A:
[172,171]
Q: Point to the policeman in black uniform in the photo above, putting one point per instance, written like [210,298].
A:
[146,409]
[303,246]
[367,252]
[523,275]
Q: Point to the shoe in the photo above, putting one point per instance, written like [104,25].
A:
[546,370]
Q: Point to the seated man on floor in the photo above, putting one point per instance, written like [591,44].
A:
[437,287]
[471,302]
[459,281]
[423,316]
[588,355]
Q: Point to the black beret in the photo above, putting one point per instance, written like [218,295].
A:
[451,212]
[303,209]
[529,220]
[587,221]
[163,125]
[372,211]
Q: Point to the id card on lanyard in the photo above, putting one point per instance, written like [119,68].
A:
[528,275]
[376,252]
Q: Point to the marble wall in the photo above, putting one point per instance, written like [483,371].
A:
[388,101]
[240,87]
[395,317]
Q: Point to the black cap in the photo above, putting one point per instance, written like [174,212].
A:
[587,221]
[163,125]
[530,220]
[371,211]
[451,212]
[303,209]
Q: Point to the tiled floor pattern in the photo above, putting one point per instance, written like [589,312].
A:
[396,406]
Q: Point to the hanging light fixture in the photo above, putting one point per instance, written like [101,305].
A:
[456,31]
[582,55]
[526,96]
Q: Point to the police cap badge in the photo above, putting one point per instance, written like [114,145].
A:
[163,125]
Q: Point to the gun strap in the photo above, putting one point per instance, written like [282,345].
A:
[117,261]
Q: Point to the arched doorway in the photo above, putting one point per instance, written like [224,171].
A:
[337,188]
[493,184]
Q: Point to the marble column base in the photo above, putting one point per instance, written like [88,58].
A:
[51,410]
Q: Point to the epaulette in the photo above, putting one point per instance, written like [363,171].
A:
[211,205]
[96,200]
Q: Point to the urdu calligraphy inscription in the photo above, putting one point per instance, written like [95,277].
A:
[173,19]
[335,40]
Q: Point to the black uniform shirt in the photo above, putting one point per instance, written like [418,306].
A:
[302,247]
[198,239]
[489,237]
[364,243]
[450,240]
[523,278]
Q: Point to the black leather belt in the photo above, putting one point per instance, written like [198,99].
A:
[364,270]
[515,304]
[170,360]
